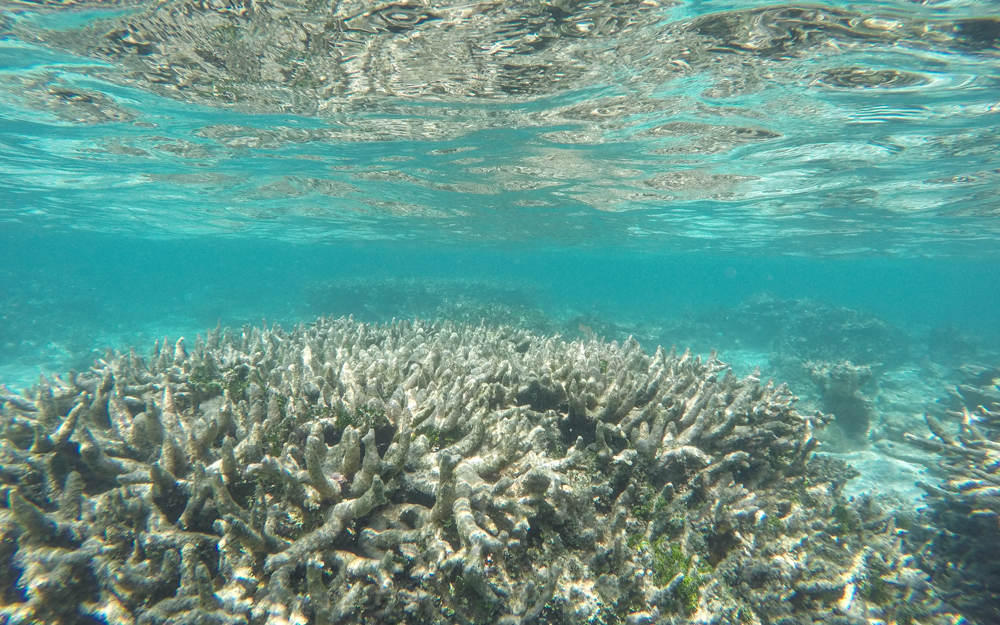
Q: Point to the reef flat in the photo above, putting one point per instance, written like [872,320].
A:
[436,473]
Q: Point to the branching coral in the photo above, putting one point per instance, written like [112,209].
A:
[432,473]
[964,509]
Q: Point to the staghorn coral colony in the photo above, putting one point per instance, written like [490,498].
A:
[432,473]
[964,509]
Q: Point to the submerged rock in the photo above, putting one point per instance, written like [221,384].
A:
[432,473]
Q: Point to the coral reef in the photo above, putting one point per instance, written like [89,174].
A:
[963,513]
[801,330]
[947,344]
[436,473]
[516,304]
[468,301]
[838,359]
[840,386]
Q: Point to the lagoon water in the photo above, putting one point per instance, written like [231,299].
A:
[800,187]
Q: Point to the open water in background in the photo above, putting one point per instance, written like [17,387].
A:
[69,296]
[668,170]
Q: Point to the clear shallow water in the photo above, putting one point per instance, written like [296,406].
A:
[68,296]
[790,184]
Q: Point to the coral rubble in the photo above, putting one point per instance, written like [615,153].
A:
[432,473]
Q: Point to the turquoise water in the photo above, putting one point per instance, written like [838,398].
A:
[788,184]
[67,297]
